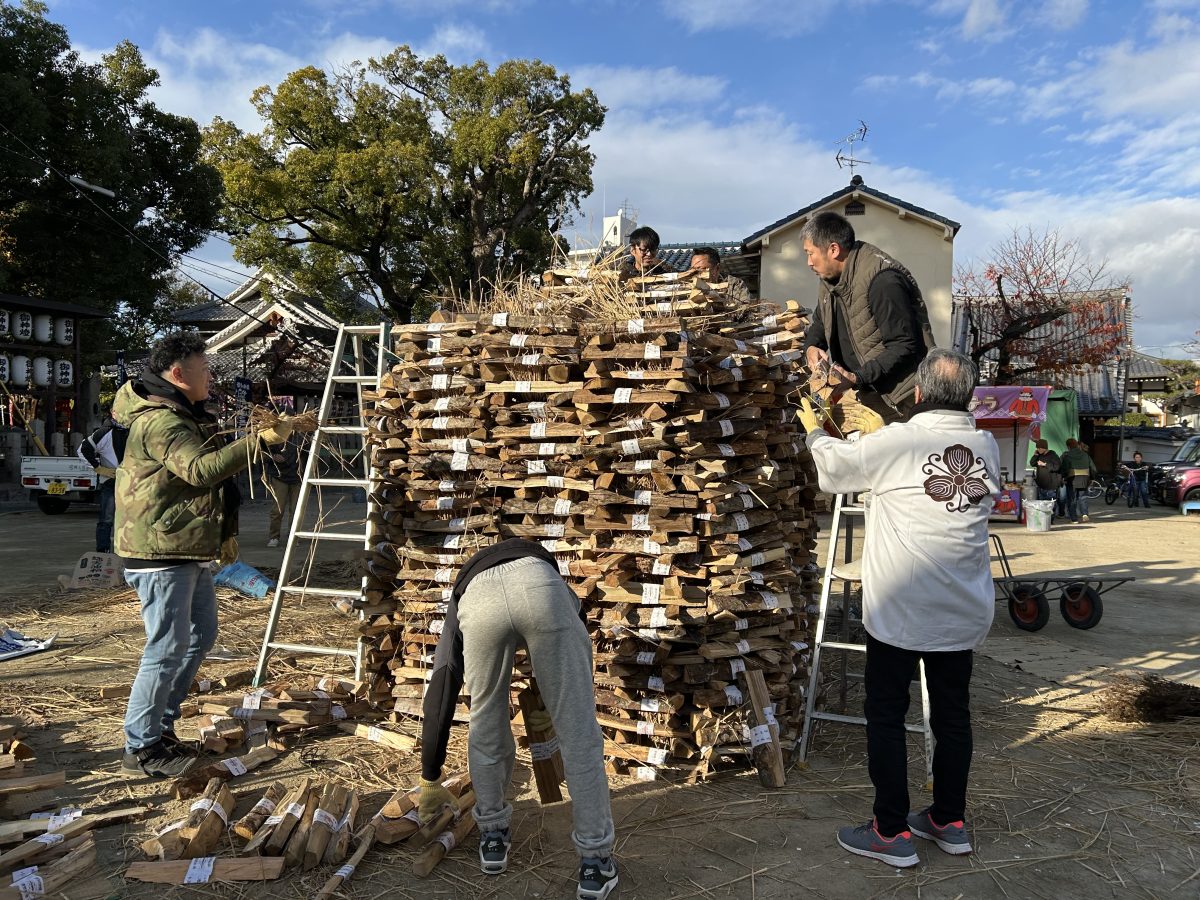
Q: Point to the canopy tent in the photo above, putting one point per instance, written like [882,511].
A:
[1013,414]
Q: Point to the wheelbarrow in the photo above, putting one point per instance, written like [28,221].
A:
[1028,604]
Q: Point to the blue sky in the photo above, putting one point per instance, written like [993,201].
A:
[1082,115]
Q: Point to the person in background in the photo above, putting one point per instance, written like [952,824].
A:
[1077,470]
[870,324]
[707,261]
[927,591]
[103,450]
[643,256]
[1045,464]
[1139,471]
[505,596]
[284,469]
[176,514]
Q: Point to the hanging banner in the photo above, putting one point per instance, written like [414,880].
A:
[241,398]
[122,372]
[1009,403]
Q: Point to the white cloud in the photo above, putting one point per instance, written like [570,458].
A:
[630,87]
[1063,14]
[457,42]
[780,18]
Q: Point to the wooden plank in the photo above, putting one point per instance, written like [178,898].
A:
[259,868]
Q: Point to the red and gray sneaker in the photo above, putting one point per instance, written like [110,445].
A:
[865,840]
[951,837]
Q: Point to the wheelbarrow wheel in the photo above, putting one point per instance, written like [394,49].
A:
[1080,605]
[1028,607]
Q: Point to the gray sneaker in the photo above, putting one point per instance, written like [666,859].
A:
[865,840]
[493,852]
[951,838]
[597,878]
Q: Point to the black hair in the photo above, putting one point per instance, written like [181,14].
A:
[714,257]
[173,348]
[645,235]
[828,228]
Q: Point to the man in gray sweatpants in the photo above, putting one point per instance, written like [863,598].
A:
[506,596]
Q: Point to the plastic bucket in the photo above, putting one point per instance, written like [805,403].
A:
[1038,514]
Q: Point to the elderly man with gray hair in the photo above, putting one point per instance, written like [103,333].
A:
[927,593]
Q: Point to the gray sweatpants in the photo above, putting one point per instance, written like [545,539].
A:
[526,602]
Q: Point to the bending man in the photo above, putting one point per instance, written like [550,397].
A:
[507,595]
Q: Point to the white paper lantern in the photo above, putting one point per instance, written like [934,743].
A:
[64,373]
[4,319]
[22,371]
[23,327]
[5,370]
[41,371]
[64,332]
[43,328]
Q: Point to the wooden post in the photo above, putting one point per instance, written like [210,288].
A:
[543,747]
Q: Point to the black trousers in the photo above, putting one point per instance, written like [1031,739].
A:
[890,672]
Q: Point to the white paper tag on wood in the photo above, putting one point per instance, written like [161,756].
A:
[345,871]
[524,387]
[651,593]
[646,657]
[652,351]
[49,839]
[326,819]
[457,523]
[436,362]
[758,559]
[451,541]
[740,522]
[441,423]
[253,700]
[562,507]
[649,546]
[543,750]
[212,806]
[641,522]
[234,766]
[30,887]
[645,773]
[199,870]
[459,462]
[447,486]
[643,498]
[554,481]
[656,756]
[535,467]
[650,704]
[518,340]
[770,599]
[555,529]
[264,805]
[741,624]
[460,445]
[743,646]
[441,404]
[444,503]
[735,666]
[564,567]
[660,568]
[444,576]
[434,345]
[499,320]
[635,326]
[646,728]
[725,449]
[722,400]
[530,359]
[759,735]
[631,447]
[441,382]
[732,694]
[658,618]
[623,395]
[546,449]
[726,428]
[643,465]
[655,683]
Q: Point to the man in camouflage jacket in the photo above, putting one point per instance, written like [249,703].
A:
[176,514]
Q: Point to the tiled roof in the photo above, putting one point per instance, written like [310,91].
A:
[1146,368]
[1170,433]
[214,311]
[1098,391]
[846,191]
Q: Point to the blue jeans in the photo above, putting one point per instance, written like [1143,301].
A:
[1142,493]
[106,497]
[179,610]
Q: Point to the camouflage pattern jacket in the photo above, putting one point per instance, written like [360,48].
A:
[168,494]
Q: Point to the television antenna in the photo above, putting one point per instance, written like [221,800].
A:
[846,158]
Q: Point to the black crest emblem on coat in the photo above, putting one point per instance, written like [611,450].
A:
[956,478]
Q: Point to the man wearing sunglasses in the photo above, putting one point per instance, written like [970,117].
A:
[643,255]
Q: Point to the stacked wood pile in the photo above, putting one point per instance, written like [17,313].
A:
[644,433]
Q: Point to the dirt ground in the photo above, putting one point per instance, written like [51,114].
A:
[1064,802]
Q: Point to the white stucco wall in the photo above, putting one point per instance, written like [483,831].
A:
[920,245]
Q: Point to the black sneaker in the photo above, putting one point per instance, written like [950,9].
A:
[161,760]
[597,878]
[493,852]
[188,748]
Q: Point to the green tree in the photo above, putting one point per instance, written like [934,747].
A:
[406,175]
[94,122]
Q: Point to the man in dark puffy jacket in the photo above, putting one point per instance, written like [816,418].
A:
[1046,475]
[103,450]
[176,514]
[284,470]
[870,323]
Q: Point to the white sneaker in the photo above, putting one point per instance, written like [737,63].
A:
[273,542]
[1085,518]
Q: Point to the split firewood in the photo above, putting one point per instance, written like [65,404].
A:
[26,784]
[424,864]
[344,872]
[17,856]
[23,829]
[290,808]
[53,877]
[543,747]
[206,870]
[192,783]
[198,833]
[324,824]
[393,740]
[339,844]
[442,821]
[397,820]
[293,853]
[764,733]
[291,816]
[247,825]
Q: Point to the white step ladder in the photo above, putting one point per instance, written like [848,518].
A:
[848,573]
[366,374]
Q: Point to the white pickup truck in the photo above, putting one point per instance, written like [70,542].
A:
[55,482]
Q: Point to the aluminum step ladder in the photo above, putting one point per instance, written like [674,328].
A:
[363,373]
[848,573]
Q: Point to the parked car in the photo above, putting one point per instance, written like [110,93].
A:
[55,482]
[1187,455]
[1182,483]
